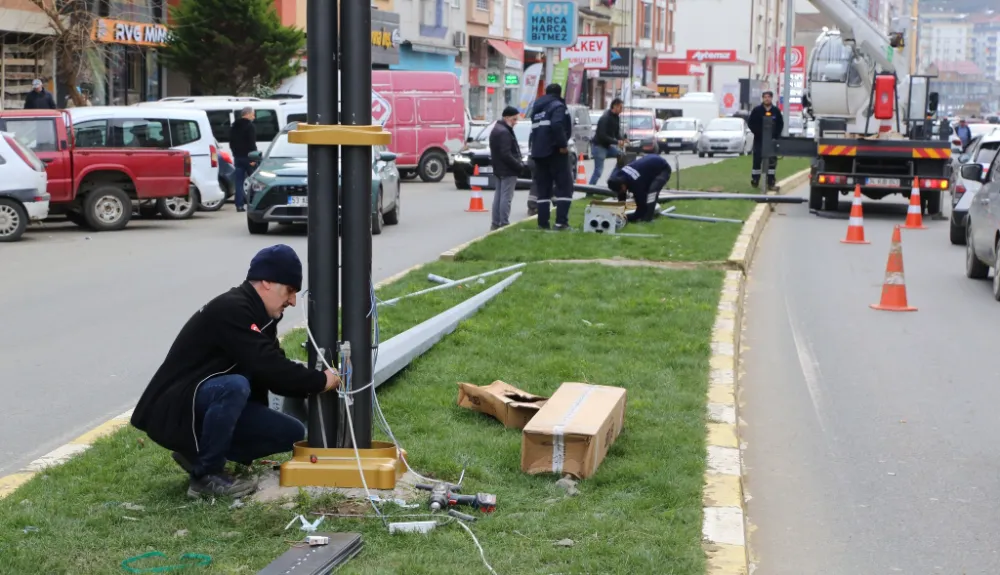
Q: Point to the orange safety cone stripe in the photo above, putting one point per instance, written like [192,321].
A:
[856,224]
[914,213]
[894,284]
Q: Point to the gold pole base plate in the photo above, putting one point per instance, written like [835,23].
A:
[335,467]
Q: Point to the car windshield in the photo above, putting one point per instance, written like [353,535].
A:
[637,122]
[521,131]
[680,126]
[282,148]
[725,125]
[987,152]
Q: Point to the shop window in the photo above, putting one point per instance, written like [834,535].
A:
[183,132]
[92,134]
[221,122]
[266,125]
[140,133]
[39,135]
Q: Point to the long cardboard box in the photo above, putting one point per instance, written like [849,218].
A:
[572,432]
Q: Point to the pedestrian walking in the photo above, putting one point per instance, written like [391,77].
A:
[551,127]
[39,98]
[643,178]
[242,141]
[766,109]
[608,138]
[208,401]
[505,154]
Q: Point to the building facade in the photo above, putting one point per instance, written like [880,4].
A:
[986,46]
[493,65]
[24,54]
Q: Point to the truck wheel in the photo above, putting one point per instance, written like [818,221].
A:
[433,166]
[378,221]
[931,202]
[107,209]
[257,228]
[13,220]
[974,269]
[815,199]
[179,207]
[832,199]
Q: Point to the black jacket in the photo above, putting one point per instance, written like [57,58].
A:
[232,334]
[505,153]
[242,138]
[551,127]
[756,121]
[609,130]
[39,100]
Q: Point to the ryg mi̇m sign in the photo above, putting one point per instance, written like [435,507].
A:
[134,33]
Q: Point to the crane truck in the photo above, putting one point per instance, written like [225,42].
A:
[848,72]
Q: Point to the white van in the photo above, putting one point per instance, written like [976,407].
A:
[175,128]
[222,111]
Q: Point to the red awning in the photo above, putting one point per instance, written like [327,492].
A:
[505,50]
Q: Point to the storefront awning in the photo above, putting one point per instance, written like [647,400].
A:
[25,22]
[505,50]
[431,49]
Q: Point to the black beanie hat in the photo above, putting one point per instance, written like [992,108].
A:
[279,264]
[554,90]
[510,111]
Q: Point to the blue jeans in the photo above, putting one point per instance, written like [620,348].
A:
[231,427]
[241,169]
[600,154]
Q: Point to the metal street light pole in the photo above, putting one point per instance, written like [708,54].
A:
[323,261]
[356,109]
[786,92]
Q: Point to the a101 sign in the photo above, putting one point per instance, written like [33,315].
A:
[550,24]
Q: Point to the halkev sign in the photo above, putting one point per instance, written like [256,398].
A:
[592,51]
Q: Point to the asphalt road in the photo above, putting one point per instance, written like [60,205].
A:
[89,316]
[870,436]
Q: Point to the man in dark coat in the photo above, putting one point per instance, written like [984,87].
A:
[39,98]
[766,109]
[505,155]
[242,141]
[551,128]
[643,178]
[208,401]
[608,138]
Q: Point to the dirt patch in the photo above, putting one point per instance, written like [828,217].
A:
[627,263]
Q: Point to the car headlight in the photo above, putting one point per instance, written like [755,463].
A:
[267,174]
[257,186]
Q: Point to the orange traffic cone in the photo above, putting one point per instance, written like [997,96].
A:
[914,213]
[856,225]
[581,171]
[894,286]
[476,201]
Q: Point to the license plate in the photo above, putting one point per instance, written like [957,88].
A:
[479,181]
[886,182]
[485,169]
[298,201]
[673,144]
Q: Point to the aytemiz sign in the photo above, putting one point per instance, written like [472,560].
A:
[592,51]
[710,56]
[550,23]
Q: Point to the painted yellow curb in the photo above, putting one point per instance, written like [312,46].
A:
[724,525]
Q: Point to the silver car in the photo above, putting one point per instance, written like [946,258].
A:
[725,136]
[982,249]
[981,151]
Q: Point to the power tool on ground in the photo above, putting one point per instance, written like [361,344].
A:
[444,495]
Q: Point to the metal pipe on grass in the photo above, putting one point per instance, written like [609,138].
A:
[452,284]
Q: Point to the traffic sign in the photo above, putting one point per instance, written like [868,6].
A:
[550,23]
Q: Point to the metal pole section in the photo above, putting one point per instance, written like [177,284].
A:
[550,64]
[787,81]
[322,183]
[356,110]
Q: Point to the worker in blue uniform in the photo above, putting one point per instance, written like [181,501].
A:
[551,127]
[643,178]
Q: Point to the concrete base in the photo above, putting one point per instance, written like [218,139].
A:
[319,467]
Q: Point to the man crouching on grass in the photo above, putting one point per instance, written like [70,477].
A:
[208,401]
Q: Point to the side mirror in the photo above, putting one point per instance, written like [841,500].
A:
[254,156]
[387,156]
[973,172]
[469,140]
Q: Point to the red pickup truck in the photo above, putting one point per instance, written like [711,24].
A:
[94,177]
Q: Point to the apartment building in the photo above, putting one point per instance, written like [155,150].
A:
[986,45]
[944,37]
[493,65]
[23,56]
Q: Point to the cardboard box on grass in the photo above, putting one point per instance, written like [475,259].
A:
[572,433]
[509,405]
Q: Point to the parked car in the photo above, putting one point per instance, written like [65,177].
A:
[981,151]
[174,128]
[982,248]
[227,174]
[595,116]
[725,136]
[639,127]
[23,188]
[278,191]
[424,111]
[680,134]
[93,178]
[222,111]
[477,153]
[582,130]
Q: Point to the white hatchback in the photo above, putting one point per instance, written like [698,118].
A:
[23,183]
[175,128]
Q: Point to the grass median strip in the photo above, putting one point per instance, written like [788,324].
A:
[679,241]
[644,329]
